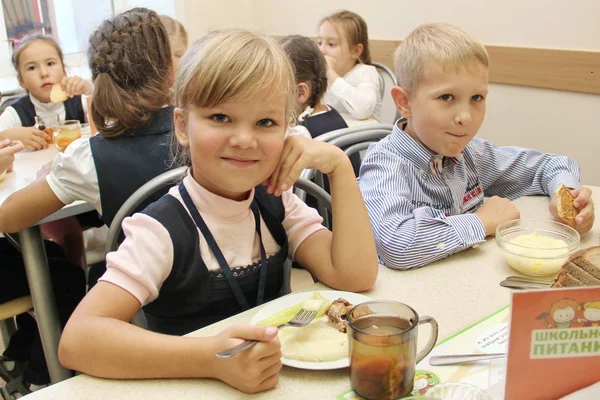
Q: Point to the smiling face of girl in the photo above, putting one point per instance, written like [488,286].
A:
[234,146]
[235,94]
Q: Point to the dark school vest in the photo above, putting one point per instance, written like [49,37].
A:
[124,163]
[324,122]
[192,296]
[26,110]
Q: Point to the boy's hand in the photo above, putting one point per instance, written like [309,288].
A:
[300,153]
[495,211]
[31,137]
[255,369]
[8,149]
[75,85]
[585,209]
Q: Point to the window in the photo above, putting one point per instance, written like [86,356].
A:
[70,22]
[25,17]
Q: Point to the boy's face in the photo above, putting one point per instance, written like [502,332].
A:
[447,108]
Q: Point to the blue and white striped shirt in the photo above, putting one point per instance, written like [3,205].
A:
[419,216]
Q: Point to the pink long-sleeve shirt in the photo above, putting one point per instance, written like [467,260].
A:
[145,258]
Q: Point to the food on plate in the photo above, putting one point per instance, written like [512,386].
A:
[564,205]
[318,341]
[581,269]
[536,253]
[57,94]
[324,339]
[338,311]
[287,314]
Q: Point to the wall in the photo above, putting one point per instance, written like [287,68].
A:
[553,121]
[204,15]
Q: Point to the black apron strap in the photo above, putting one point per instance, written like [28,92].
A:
[260,297]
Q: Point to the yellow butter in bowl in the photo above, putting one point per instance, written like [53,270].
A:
[2,175]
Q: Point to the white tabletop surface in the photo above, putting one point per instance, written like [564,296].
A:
[456,291]
[27,164]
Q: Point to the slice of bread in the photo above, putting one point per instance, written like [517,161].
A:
[57,94]
[581,269]
[564,205]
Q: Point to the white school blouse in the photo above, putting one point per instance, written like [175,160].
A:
[73,175]
[358,93]
[10,119]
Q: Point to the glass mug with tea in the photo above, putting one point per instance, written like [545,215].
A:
[382,336]
[66,133]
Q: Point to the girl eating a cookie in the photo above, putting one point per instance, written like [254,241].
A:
[52,95]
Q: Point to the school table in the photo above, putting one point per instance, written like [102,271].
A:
[26,165]
[456,291]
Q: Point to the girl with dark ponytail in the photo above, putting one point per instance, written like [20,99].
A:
[130,60]
[311,78]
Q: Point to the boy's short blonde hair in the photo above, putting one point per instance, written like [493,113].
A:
[444,44]
[234,65]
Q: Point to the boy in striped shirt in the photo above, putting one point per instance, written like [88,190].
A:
[424,184]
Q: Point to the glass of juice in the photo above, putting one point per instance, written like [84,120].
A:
[66,133]
[48,124]
[382,339]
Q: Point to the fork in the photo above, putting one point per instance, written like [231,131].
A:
[302,318]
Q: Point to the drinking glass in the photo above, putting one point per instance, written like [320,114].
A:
[66,133]
[382,339]
[48,123]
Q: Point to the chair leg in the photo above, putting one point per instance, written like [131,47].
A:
[7,328]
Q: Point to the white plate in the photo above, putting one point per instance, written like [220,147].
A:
[287,301]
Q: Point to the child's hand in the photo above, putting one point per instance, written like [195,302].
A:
[31,137]
[8,149]
[495,211]
[252,370]
[75,85]
[44,170]
[331,74]
[585,209]
[300,153]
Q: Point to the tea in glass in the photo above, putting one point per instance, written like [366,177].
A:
[66,133]
[383,348]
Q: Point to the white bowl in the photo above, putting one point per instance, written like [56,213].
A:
[536,247]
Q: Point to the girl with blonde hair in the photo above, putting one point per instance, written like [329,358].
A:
[216,243]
